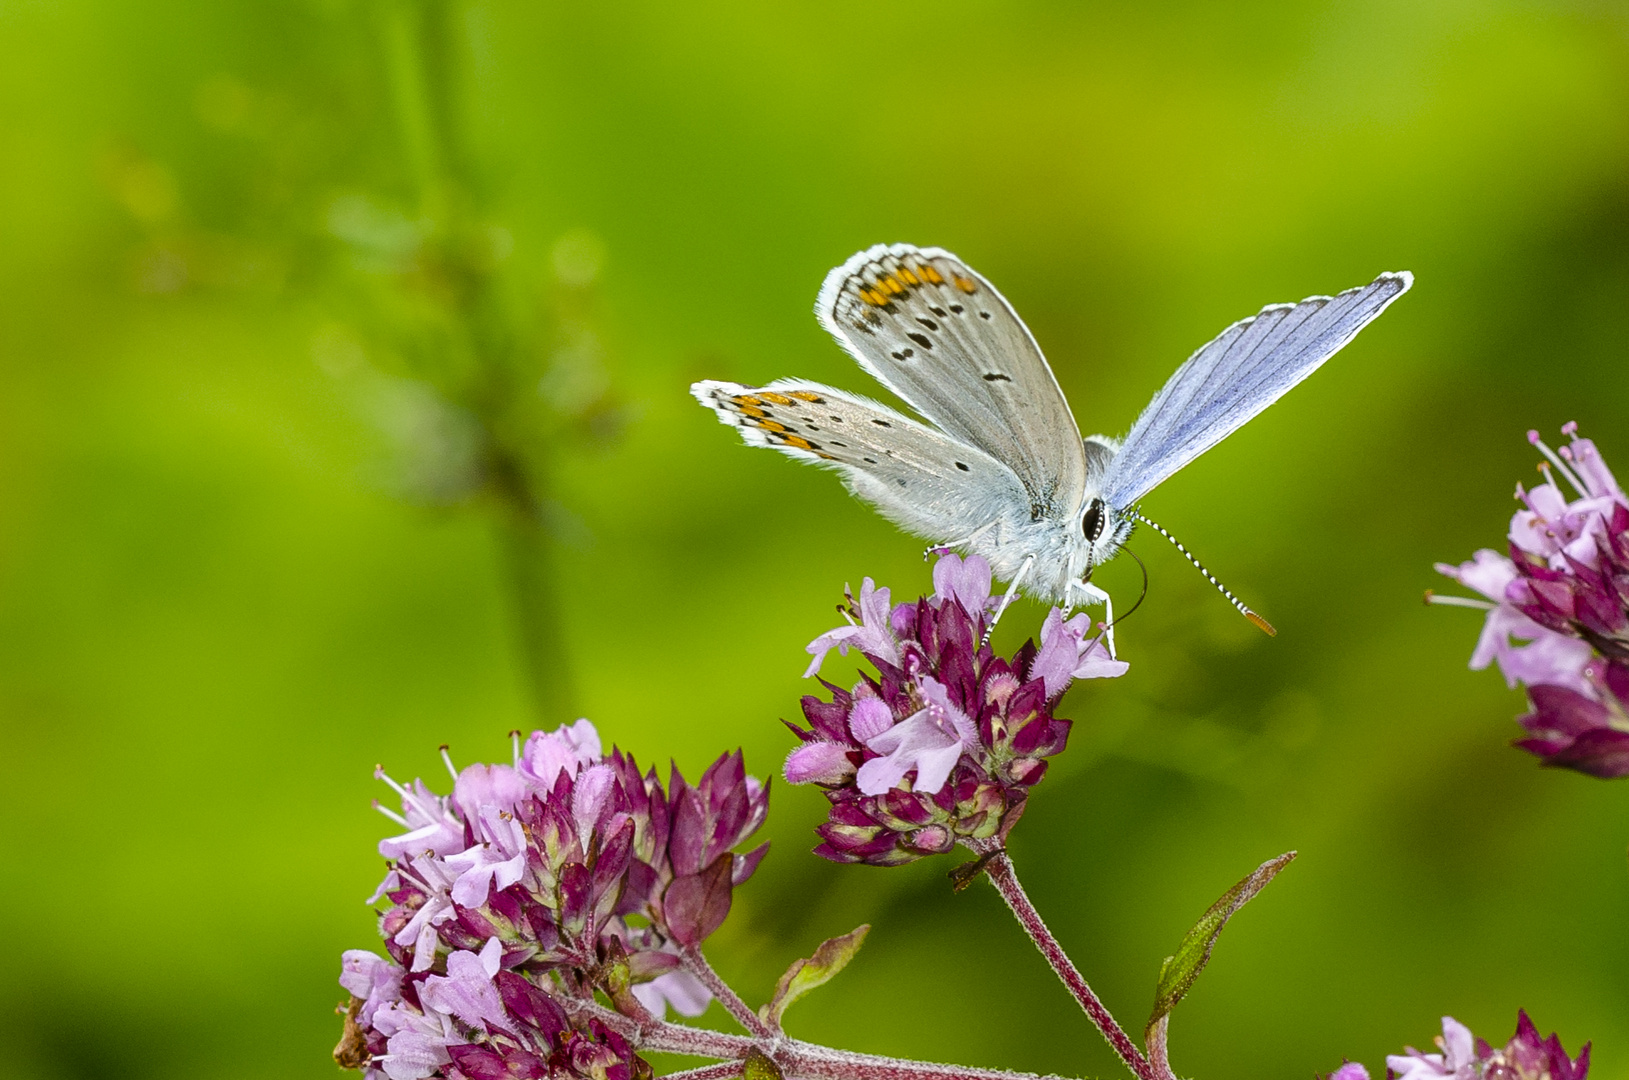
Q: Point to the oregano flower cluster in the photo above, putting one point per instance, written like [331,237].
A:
[1462,1056]
[944,743]
[1557,602]
[564,873]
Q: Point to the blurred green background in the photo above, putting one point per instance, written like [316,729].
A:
[343,358]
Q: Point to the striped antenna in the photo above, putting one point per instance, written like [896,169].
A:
[1265,626]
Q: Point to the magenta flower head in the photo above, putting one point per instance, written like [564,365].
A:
[943,744]
[531,886]
[1462,1056]
[1558,609]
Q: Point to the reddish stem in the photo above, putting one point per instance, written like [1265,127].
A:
[811,1062]
[722,1071]
[999,868]
[701,969]
[1157,1055]
[798,1060]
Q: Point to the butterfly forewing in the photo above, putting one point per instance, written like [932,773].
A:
[1246,368]
[918,478]
[943,339]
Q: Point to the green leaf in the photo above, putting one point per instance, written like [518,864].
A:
[803,976]
[1178,972]
[760,1066]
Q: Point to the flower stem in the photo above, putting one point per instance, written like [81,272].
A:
[798,1060]
[1000,869]
[478,370]
[701,969]
[1157,1054]
[722,1071]
[809,1061]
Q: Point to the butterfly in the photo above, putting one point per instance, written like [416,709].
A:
[999,468]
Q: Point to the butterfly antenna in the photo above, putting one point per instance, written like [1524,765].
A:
[1265,626]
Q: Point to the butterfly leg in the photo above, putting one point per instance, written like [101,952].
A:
[965,542]
[1012,590]
[1094,595]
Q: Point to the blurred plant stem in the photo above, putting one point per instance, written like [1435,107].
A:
[997,865]
[481,364]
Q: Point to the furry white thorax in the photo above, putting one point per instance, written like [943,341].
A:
[1064,555]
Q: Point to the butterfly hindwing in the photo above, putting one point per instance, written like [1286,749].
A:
[941,337]
[921,479]
[1228,381]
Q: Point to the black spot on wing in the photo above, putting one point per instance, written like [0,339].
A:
[996,376]
[921,339]
[929,323]
[962,467]
[882,423]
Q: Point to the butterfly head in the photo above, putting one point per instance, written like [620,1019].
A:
[1103,530]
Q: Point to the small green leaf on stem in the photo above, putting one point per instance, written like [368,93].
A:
[968,872]
[804,975]
[1178,973]
[760,1066]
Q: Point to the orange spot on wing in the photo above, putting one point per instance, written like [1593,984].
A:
[748,410]
[746,399]
[779,399]
[892,284]
[966,285]
[798,441]
[910,278]
[770,425]
[804,395]
[929,273]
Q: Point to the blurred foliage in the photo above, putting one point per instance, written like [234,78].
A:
[343,355]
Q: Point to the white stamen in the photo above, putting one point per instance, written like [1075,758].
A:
[407,796]
[514,742]
[446,759]
[1561,466]
[380,774]
[391,814]
[1458,601]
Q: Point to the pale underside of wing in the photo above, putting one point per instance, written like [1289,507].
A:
[1246,368]
[920,479]
[943,339]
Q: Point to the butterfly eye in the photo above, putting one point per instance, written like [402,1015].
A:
[1092,523]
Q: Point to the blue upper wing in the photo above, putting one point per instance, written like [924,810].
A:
[1246,368]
